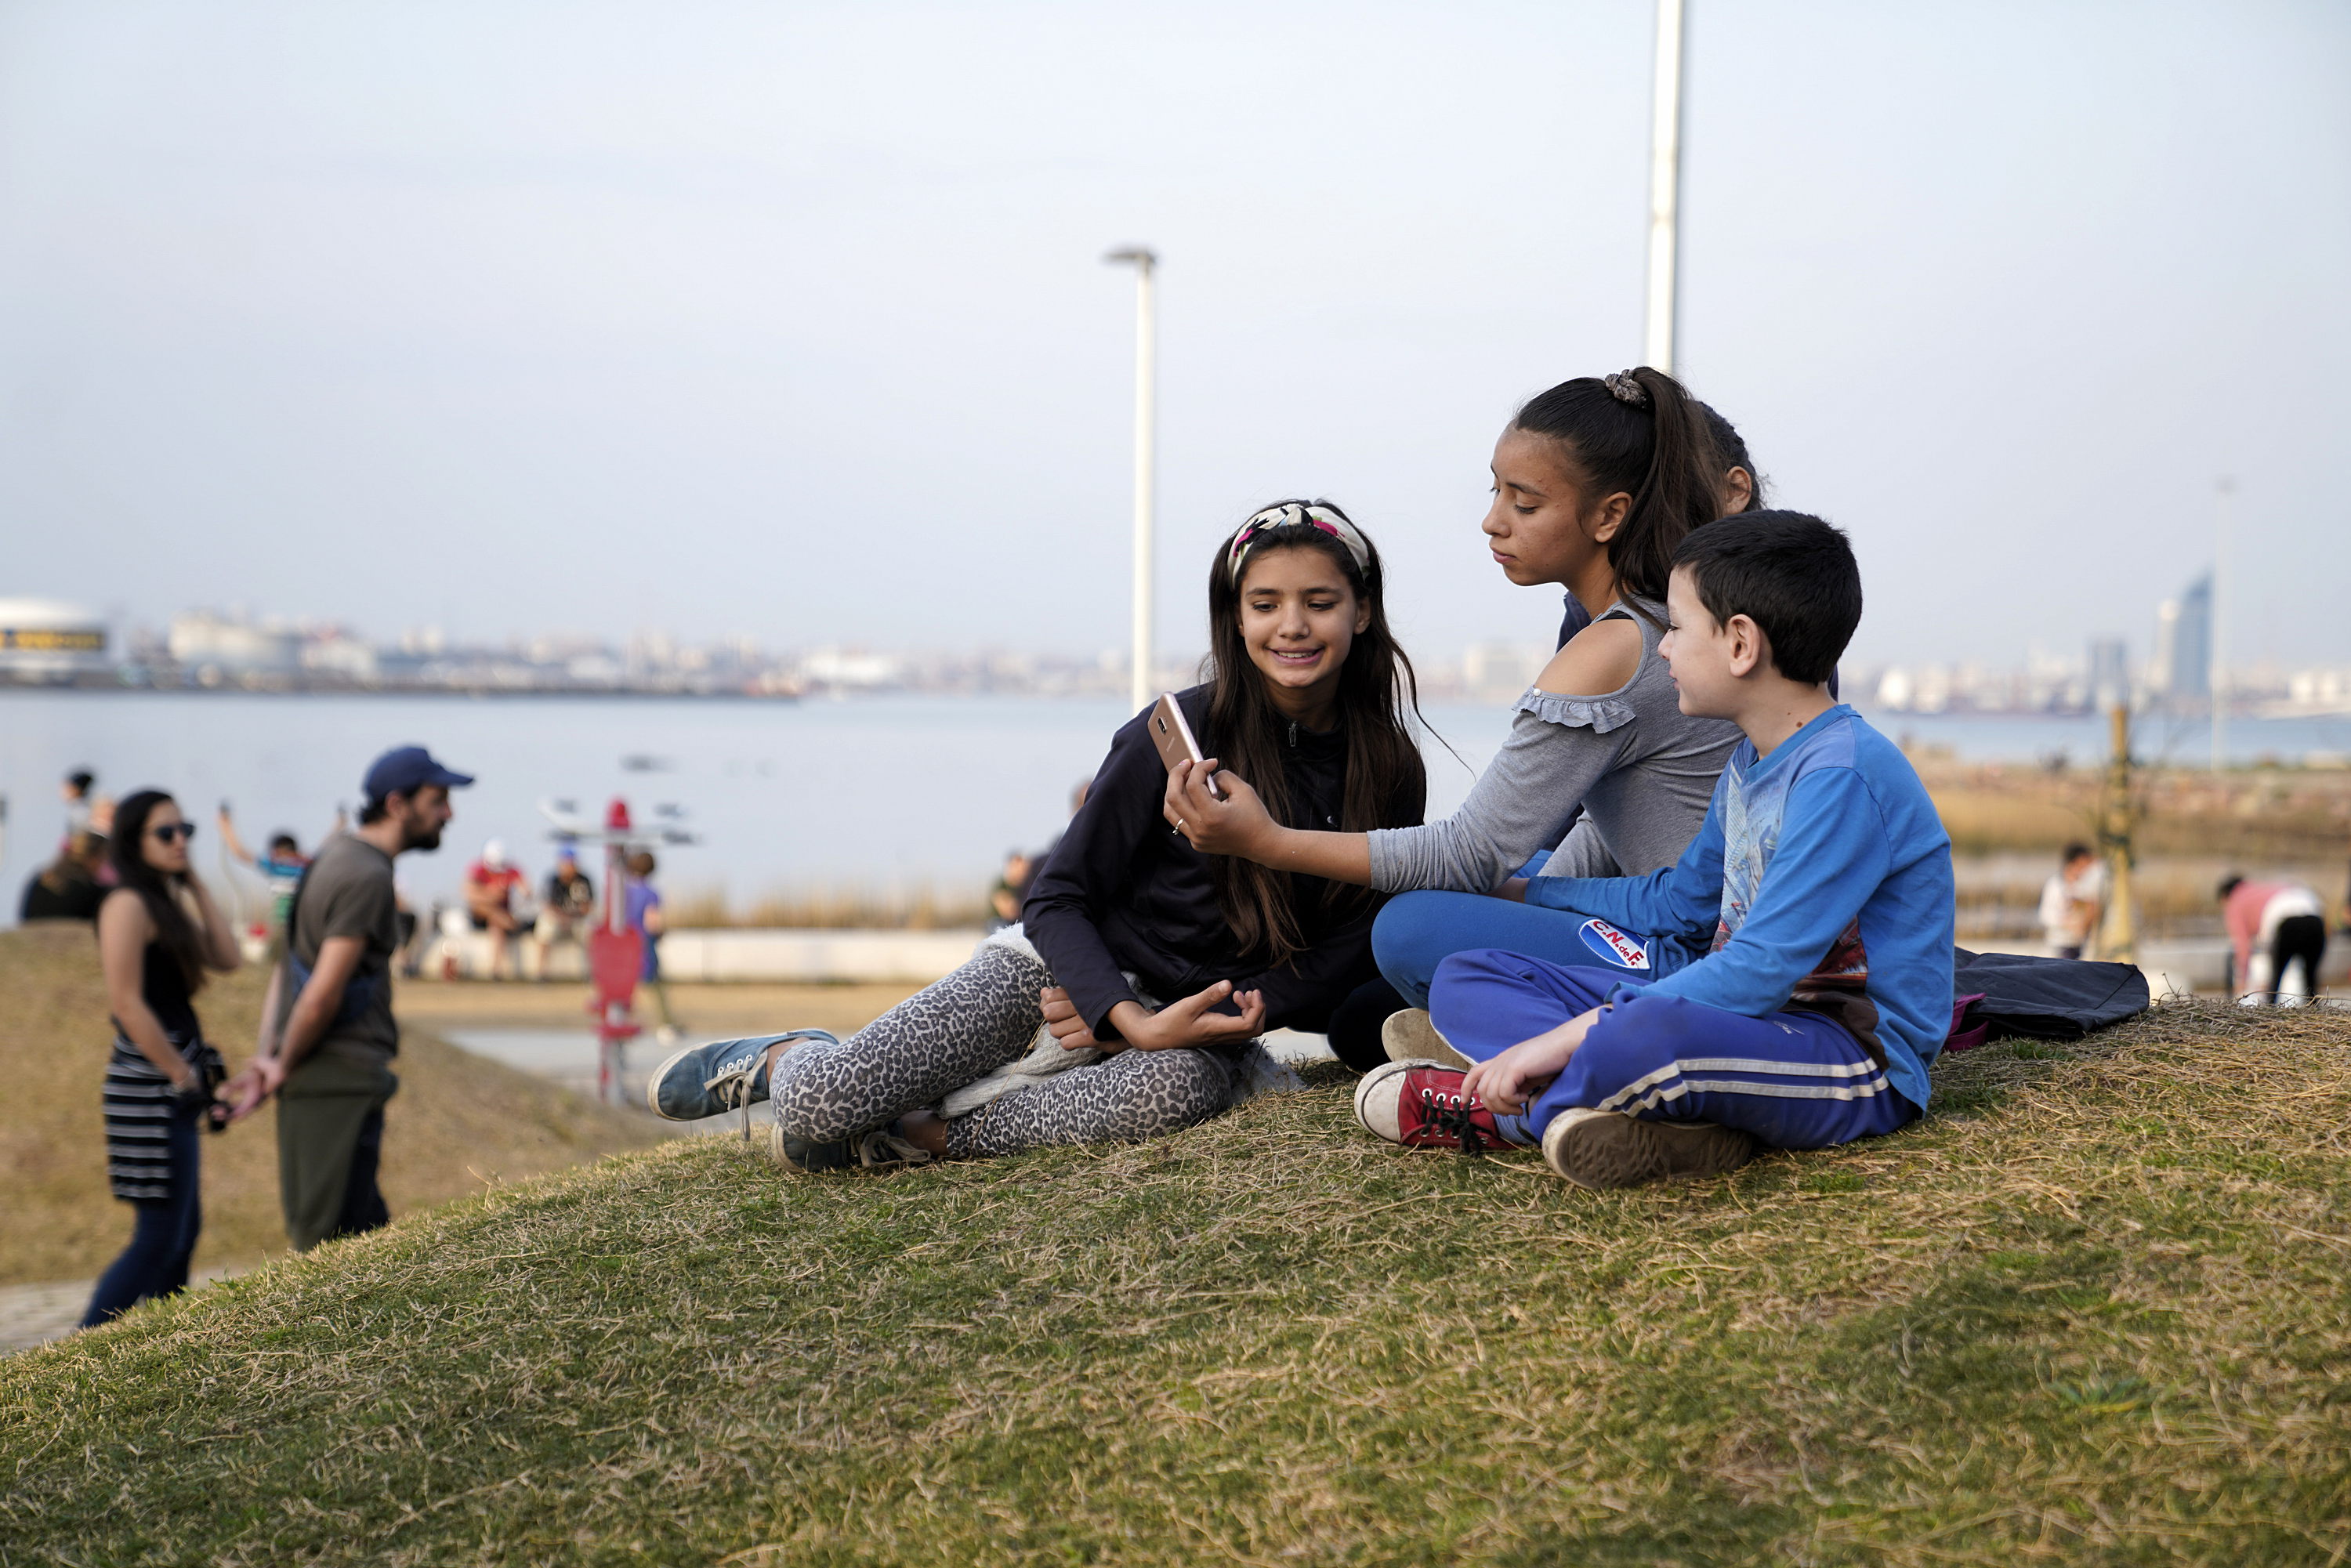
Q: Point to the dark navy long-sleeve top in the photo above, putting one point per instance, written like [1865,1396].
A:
[1125,892]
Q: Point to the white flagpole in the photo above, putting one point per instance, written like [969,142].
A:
[1145,416]
[1665,192]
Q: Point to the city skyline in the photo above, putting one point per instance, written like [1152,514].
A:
[44,641]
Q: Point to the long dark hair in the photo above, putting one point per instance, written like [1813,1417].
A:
[1387,785]
[127,848]
[1640,433]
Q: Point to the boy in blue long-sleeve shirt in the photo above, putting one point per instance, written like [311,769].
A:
[1787,983]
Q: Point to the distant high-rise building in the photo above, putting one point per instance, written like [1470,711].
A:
[2182,669]
[2109,672]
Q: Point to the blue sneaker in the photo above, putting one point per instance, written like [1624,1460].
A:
[710,1080]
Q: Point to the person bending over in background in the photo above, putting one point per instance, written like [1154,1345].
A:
[1817,900]
[157,931]
[2273,927]
[1153,967]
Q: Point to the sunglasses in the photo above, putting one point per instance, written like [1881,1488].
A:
[169,831]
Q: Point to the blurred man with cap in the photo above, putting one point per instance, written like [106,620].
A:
[327,1035]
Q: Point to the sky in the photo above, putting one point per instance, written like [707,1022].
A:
[792,321]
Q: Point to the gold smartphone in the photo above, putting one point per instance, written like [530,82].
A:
[1172,733]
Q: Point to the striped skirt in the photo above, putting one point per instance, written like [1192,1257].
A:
[139,1105]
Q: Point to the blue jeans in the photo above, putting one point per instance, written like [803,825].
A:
[163,1239]
[1417,931]
[1794,1079]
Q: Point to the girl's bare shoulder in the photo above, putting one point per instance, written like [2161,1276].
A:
[1598,660]
[124,912]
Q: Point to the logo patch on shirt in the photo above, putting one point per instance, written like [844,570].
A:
[1613,945]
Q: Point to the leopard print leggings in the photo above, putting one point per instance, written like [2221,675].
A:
[958,1031]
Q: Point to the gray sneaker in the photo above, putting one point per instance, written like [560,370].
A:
[724,1075]
[1607,1148]
[1411,1036]
[880,1149]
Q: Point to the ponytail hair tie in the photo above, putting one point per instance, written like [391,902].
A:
[1318,515]
[1625,388]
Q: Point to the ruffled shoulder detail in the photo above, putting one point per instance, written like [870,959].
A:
[1601,715]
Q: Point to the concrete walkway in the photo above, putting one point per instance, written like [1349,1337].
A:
[35,1314]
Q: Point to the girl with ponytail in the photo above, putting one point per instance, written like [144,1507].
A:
[1127,1002]
[1596,483]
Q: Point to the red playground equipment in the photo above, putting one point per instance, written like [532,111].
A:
[616,957]
[616,948]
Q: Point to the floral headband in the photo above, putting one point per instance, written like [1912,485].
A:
[1320,515]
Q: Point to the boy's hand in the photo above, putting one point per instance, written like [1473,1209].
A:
[1509,1081]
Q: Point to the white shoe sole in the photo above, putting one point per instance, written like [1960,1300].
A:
[1377,1096]
[1411,1036]
[652,1084]
[1608,1149]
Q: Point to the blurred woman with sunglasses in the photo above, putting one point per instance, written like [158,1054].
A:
[158,933]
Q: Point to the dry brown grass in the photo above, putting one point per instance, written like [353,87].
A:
[2250,814]
[458,1125]
[2094,1311]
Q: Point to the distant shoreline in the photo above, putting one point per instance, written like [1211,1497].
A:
[225,689]
[2249,712]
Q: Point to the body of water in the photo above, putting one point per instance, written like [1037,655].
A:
[876,792]
[881,792]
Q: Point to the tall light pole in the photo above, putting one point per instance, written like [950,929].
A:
[1144,334]
[2217,677]
[1665,192]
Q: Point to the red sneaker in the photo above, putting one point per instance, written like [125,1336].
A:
[1420,1105]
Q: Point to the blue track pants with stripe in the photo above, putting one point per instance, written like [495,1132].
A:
[1417,931]
[1794,1079]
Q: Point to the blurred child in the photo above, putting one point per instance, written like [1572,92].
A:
[2072,901]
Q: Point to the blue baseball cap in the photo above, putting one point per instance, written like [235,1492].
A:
[407,768]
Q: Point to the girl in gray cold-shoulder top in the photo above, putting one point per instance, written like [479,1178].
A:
[1596,483]
[1641,770]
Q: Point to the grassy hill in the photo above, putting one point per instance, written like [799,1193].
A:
[2094,1311]
[458,1125]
